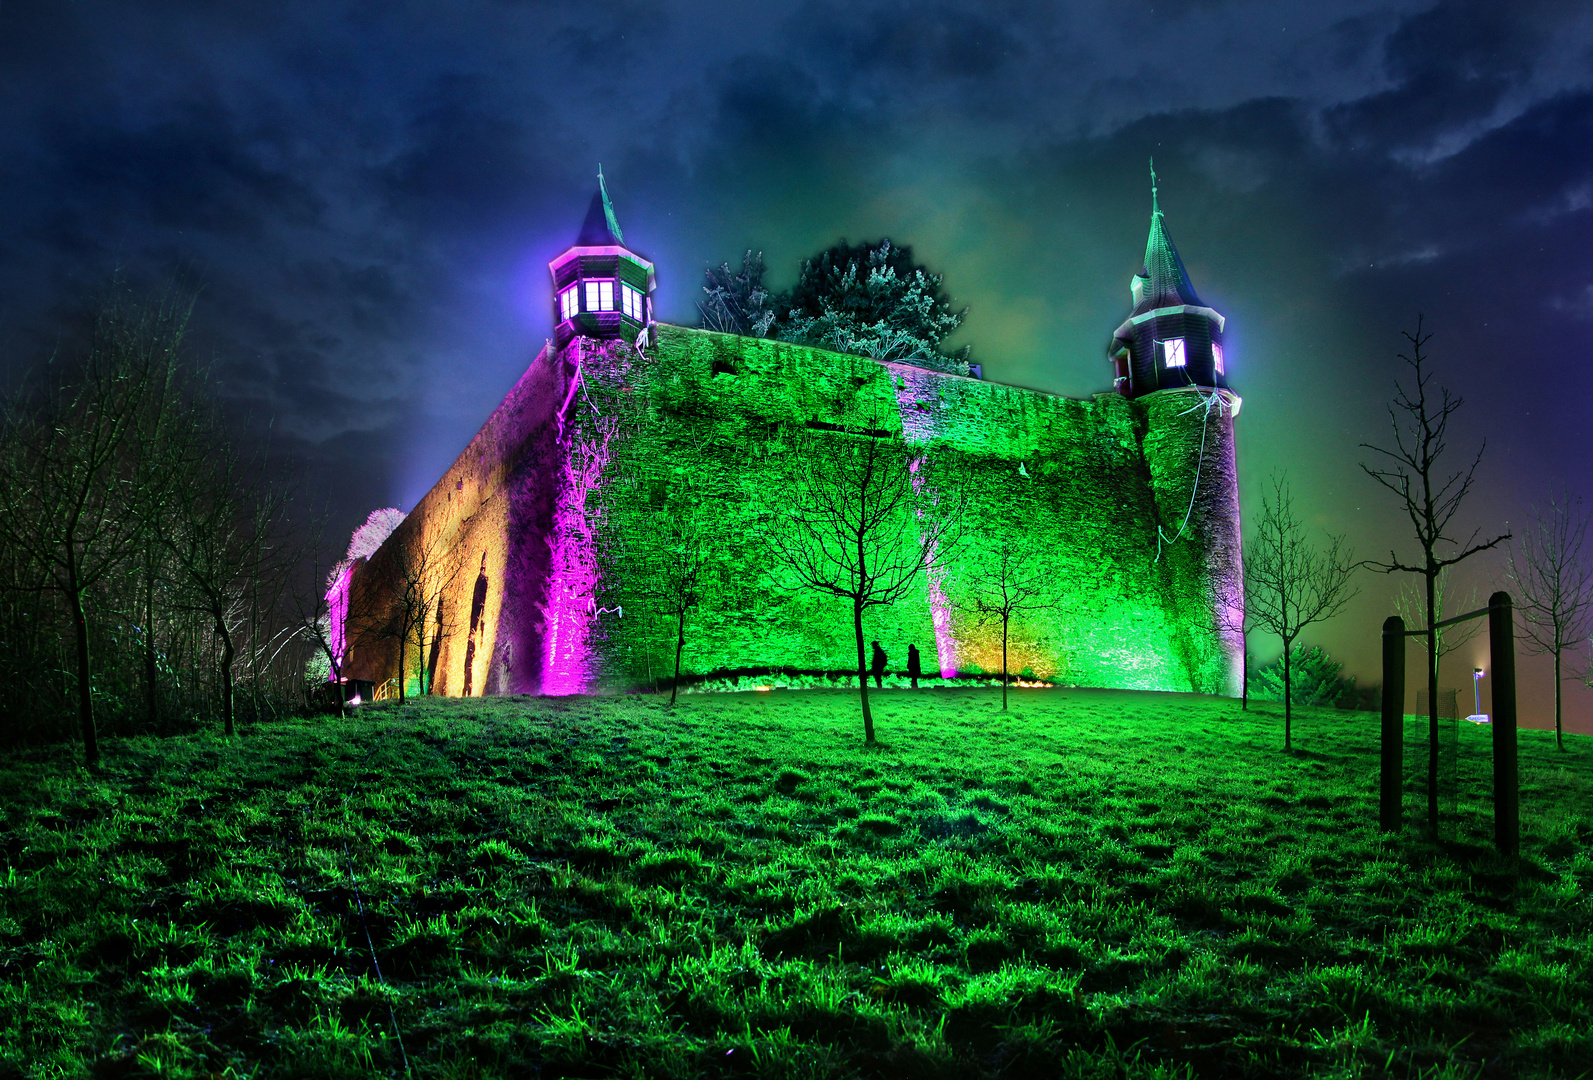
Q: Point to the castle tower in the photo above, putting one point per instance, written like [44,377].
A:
[1171,341]
[1167,357]
[601,288]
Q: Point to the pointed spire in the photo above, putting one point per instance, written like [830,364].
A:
[608,207]
[1166,280]
[600,229]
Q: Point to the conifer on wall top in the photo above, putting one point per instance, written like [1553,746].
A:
[737,302]
[872,300]
[868,299]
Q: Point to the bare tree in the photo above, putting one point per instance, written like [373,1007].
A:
[279,550]
[674,588]
[1431,499]
[312,606]
[1012,584]
[1556,586]
[315,625]
[853,528]
[421,574]
[79,469]
[1229,623]
[220,539]
[1410,604]
[1289,583]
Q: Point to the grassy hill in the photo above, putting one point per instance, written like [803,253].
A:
[1095,884]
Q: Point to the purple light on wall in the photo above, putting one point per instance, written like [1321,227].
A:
[917,402]
[940,615]
[574,575]
[1230,579]
[939,609]
[337,616]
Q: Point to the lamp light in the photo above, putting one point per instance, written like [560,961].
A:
[1477,717]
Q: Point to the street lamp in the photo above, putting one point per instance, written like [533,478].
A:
[1478,717]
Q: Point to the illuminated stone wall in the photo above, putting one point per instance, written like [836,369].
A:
[551,522]
[485,526]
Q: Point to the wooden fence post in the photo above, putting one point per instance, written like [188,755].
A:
[1393,749]
[1506,791]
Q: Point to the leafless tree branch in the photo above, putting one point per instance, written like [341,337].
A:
[1430,500]
[1551,572]
[1289,584]
[863,517]
[1012,584]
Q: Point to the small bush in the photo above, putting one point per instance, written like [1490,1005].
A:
[1313,679]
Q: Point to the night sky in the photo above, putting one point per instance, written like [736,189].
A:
[368,194]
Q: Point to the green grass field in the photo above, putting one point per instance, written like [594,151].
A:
[1095,884]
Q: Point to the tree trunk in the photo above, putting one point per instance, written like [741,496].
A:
[420,648]
[150,671]
[436,651]
[1003,665]
[680,644]
[402,642]
[1244,689]
[862,673]
[1288,705]
[254,646]
[85,698]
[226,675]
[1432,709]
[337,680]
[1558,743]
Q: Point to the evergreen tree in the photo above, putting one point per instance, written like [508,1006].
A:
[872,300]
[1314,679]
[736,301]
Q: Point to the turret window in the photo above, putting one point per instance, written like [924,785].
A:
[631,302]
[1173,352]
[599,296]
[1216,358]
[569,303]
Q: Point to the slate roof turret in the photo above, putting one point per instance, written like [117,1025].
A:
[1165,281]
[601,288]
[600,229]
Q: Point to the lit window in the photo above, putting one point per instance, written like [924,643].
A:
[1216,358]
[631,302]
[605,296]
[1173,351]
[569,303]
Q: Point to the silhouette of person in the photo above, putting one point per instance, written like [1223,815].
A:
[913,665]
[878,665]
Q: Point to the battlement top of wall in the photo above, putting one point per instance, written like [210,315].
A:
[900,368]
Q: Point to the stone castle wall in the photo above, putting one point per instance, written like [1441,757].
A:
[548,526]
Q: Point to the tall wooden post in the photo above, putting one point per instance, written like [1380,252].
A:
[1392,778]
[1506,794]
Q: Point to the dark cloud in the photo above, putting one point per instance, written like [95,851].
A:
[921,45]
[193,171]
